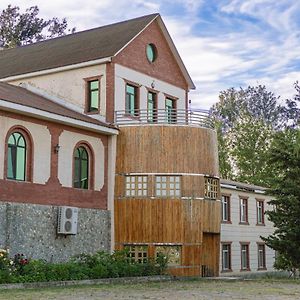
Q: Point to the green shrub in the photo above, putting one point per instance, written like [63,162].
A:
[83,266]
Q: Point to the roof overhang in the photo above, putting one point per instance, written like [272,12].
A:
[44,115]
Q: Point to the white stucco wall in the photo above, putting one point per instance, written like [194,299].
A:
[41,147]
[123,73]
[67,142]
[237,233]
[69,85]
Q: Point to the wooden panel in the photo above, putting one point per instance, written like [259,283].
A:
[167,149]
[210,253]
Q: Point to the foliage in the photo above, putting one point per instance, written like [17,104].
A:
[83,266]
[246,121]
[18,28]
[285,187]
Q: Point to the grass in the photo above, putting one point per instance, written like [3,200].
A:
[193,289]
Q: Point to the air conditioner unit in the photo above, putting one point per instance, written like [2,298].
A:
[67,220]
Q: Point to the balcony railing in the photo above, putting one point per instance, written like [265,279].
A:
[199,118]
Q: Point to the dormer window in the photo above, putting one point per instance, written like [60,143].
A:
[93,95]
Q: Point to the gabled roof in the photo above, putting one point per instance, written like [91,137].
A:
[21,97]
[85,46]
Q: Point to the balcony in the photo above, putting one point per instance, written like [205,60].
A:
[197,118]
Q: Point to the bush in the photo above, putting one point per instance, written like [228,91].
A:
[83,266]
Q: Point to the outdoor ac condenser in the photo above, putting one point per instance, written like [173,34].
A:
[67,220]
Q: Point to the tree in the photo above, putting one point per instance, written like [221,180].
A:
[285,187]
[246,120]
[17,29]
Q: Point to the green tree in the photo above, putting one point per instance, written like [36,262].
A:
[17,29]
[285,187]
[246,120]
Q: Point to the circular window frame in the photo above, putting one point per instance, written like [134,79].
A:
[154,53]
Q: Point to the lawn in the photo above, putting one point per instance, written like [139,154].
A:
[192,289]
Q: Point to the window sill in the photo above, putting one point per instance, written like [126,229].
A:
[262,269]
[226,271]
[96,112]
[226,222]
[260,224]
[245,270]
[244,223]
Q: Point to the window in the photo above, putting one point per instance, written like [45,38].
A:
[173,254]
[152,107]
[170,110]
[81,168]
[244,210]
[137,253]
[131,102]
[211,188]
[260,212]
[225,208]
[226,256]
[93,95]
[151,52]
[136,186]
[16,157]
[261,256]
[245,256]
[167,186]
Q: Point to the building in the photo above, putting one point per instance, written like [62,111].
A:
[100,151]
[242,251]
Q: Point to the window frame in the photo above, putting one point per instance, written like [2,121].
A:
[153,117]
[133,253]
[168,190]
[228,208]
[242,200]
[171,118]
[90,153]
[229,269]
[136,100]
[263,266]
[28,168]
[211,188]
[87,108]
[247,253]
[133,190]
[262,212]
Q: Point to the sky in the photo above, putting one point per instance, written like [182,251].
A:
[223,43]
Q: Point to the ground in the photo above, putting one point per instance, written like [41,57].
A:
[194,289]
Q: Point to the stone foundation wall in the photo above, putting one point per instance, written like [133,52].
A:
[32,230]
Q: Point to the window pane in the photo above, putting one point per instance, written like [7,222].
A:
[94,85]
[20,171]
[10,173]
[94,100]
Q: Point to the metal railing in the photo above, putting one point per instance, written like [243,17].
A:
[199,118]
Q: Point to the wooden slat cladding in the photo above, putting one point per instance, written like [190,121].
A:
[165,220]
[167,149]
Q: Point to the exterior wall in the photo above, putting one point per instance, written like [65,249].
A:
[31,229]
[42,147]
[67,142]
[235,233]
[45,186]
[122,74]
[189,220]
[69,86]
[164,68]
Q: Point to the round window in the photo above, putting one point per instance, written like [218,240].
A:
[151,52]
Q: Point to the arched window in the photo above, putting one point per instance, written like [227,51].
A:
[16,157]
[81,168]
